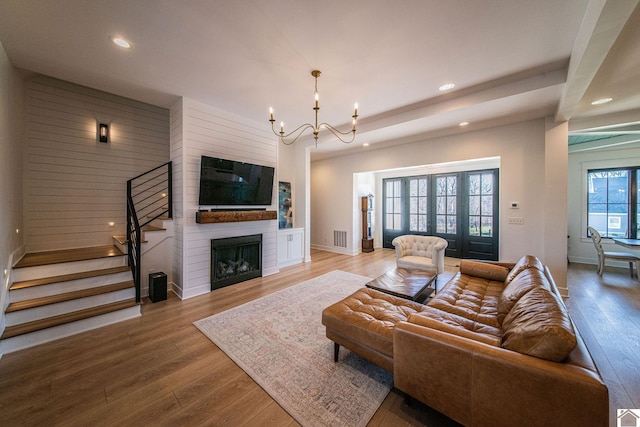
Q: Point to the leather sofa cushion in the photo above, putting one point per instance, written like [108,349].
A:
[473,298]
[457,325]
[526,262]
[539,325]
[368,317]
[523,283]
[484,270]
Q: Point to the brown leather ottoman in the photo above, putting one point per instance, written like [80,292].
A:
[363,322]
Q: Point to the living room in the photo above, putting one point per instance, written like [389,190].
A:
[529,145]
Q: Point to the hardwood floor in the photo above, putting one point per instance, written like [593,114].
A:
[160,370]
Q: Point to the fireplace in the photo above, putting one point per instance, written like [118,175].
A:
[235,259]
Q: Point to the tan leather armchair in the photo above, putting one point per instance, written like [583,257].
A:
[420,252]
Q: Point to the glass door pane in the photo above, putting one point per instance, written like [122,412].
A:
[446,204]
[418,204]
[480,214]
[393,205]
[481,202]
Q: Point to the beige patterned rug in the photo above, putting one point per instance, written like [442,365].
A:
[279,340]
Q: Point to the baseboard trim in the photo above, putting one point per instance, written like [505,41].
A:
[337,250]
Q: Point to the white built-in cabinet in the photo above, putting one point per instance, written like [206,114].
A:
[290,246]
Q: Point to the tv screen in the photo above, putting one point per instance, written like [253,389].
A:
[227,182]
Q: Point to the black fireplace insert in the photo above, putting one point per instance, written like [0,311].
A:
[235,259]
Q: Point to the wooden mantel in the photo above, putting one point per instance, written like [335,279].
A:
[234,216]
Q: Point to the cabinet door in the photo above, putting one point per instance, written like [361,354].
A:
[283,248]
[296,250]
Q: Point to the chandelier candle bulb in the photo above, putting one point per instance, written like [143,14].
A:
[355,113]
[270,114]
[281,127]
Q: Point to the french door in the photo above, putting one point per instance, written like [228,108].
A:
[460,207]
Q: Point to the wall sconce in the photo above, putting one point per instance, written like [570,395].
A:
[103,132]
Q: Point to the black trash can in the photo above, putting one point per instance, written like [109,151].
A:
[157,286]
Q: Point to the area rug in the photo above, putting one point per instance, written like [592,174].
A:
[279,340]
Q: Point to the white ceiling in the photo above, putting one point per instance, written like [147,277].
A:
[510,59]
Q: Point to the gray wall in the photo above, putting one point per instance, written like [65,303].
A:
[75,186]
[11,135]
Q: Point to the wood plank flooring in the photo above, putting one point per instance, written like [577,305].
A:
[160,370]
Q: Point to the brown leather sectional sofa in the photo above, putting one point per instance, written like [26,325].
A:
[495,347]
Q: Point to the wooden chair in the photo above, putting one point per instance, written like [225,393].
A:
[620,256]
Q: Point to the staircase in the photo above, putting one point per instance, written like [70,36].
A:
[55,294]
[60,293]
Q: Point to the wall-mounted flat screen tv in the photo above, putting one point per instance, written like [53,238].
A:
[227,182]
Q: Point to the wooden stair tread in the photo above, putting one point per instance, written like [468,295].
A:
[68,277]
[68,255]
[120,239]
[160,218]
[67,296]
[150,227]
[36,325]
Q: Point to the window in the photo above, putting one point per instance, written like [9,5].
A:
[612,202]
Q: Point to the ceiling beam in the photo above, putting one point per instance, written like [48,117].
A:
[604,121]
[602,23]
[545,76]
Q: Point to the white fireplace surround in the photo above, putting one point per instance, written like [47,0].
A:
[196,130]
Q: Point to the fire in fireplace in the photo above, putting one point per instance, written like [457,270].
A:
[235,259]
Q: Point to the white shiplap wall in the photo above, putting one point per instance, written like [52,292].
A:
[74,185]
[177,157]
[205,130]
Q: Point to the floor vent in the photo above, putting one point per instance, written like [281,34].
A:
[340,238]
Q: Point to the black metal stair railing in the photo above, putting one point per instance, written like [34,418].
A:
[149,197]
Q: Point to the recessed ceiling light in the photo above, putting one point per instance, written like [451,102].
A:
[463,124]
[366,144]
[446,87]
[601,101]
[120,42]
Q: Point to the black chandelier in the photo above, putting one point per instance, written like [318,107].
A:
[342,136]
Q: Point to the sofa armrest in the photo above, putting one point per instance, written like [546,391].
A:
[478,384]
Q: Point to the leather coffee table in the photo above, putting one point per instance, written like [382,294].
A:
[411,284]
